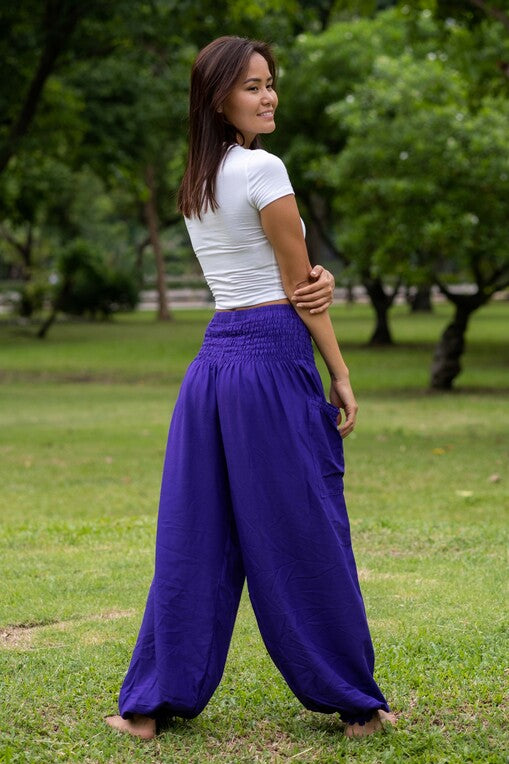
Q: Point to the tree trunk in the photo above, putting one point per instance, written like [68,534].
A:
[23,248]
[45,327]
[318,227]
[420,301]
[150,210]
[315,246]
[446,363]
[381,303]
[138,265]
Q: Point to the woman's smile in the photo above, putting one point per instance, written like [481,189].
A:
[251,105]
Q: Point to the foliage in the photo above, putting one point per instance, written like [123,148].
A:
[422,182]
[32,298]
[101,90]
[404,101]
[99,105]
[324,70]
[87,286]
[319,71]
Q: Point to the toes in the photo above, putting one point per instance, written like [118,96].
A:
[142,728]
[114,721]
[362,730]
[387,717]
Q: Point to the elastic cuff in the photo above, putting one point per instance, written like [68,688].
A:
[363,716]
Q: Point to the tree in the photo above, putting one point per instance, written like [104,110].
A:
[87,286]
[103,86]
[472,11]
[423,183]
[324,71]
[319,71]
[38,39]
[132,106]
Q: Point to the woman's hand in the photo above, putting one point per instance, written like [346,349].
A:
[317,295]
[341,395]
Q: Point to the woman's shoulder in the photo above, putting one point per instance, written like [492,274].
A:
[267,178]
[253,159]
[262,159]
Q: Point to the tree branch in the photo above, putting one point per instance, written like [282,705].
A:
[502,285]
[325,14]
[499,280]
[496,13]
[479,279]
[9,238]
[395,291]
[24,248]
[450,296]
[143,243]
[498,273]
[60,19]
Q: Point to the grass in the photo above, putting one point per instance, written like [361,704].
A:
[83,420]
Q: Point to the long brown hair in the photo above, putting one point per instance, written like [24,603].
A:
[215,73]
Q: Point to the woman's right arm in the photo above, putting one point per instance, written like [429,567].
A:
[281,223]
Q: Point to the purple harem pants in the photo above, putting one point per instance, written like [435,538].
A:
[252,488]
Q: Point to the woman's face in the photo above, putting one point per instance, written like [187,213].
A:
[251,105]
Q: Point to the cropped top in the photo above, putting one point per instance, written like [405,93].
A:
[236,257]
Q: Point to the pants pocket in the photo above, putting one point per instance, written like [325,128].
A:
[327,446]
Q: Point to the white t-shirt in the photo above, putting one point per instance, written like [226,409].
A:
[236,257]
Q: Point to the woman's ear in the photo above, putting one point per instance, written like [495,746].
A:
[219,109]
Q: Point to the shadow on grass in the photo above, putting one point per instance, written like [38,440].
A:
[408,394]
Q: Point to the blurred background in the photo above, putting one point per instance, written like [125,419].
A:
[392,122]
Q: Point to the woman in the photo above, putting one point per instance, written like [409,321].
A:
[252,483]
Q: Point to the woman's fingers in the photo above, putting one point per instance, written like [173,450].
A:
[314,305]
[347,427]
[317,296]
[351,408]
[317,271]
[319,286]
[311,295]
[341,395]
[320,310]
[314,301]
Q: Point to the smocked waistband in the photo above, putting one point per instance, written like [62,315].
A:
[269,332]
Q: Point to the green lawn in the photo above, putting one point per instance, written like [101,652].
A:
[83,420]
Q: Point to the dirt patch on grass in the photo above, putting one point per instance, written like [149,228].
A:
[111,615]
[21,636]
[15,637]
[266,742]
[114,377]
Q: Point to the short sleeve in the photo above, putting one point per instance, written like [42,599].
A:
[267,179]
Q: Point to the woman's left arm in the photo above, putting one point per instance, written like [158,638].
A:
[281,223]
[318,294]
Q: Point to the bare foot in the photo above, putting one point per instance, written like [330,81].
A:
[138,725]
[376,724]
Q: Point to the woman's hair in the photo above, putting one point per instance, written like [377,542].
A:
[214,75]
